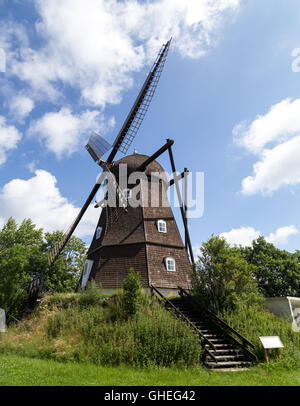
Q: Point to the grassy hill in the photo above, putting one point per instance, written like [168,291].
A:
[92,328]
[74,339]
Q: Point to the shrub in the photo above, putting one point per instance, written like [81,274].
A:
[154,338]
[132,293]
[254,321]
[91,296]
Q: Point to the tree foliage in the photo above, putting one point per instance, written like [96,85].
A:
[222,277]
[276,271]
[23,256]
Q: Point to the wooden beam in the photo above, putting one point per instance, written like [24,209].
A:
[161,150]
[181,206]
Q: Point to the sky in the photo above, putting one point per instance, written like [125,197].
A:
[229,96]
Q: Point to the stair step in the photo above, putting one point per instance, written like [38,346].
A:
[228,364]
[226,351]
[228,357]
[210,336]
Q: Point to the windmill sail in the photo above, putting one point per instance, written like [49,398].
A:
[123,140]
[141,105]
[97,146]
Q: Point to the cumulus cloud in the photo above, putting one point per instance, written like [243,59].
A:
[277,167]
[21,106]
[241,236]
[9,138]
[245,235]
[275,139]
[282,234]
[96,45]
[64,132]
[39,198]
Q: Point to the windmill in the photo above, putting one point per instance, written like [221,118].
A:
[112,248]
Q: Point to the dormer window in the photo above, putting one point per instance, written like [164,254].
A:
[170,264]
[127,193]
[161,226]
[98,232]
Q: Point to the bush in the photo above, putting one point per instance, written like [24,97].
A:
[132,293]
[154,338]
[91,296]
[254,321]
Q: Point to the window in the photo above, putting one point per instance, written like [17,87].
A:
[170,264]
[127,193]
[98,232]
[86,272]
[162,226]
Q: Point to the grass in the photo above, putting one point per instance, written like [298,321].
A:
[21,371]
[90,329]
[84,340]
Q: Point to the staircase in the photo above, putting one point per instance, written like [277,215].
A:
[224,348]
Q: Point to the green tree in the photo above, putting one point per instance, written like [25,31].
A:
[23,256]
[64,274]
[20,254]
[276,271]
[222,278]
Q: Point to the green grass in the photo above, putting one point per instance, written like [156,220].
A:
[21,371]
[88,329]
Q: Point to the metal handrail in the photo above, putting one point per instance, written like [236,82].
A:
[181,315]
[222,324]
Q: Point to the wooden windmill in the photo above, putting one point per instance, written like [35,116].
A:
[143,237]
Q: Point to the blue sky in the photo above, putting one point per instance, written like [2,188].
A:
[229,96]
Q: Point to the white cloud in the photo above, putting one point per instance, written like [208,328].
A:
[280,123]
[63,131]
[245,235]
[96,45]
[196,250]
[241,236]
[282,234]
[21,106]
[39,198]
[275,139]
[9,138]
[277,167]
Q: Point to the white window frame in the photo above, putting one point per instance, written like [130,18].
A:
[167,260]
[159,223]
[127,193]
[98,232]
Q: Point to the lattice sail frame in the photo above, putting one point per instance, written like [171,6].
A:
[142,107]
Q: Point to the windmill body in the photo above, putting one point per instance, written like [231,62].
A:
[145,238]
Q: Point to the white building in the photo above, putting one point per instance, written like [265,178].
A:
[287,307]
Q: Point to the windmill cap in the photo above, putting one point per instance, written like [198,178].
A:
[134,161]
